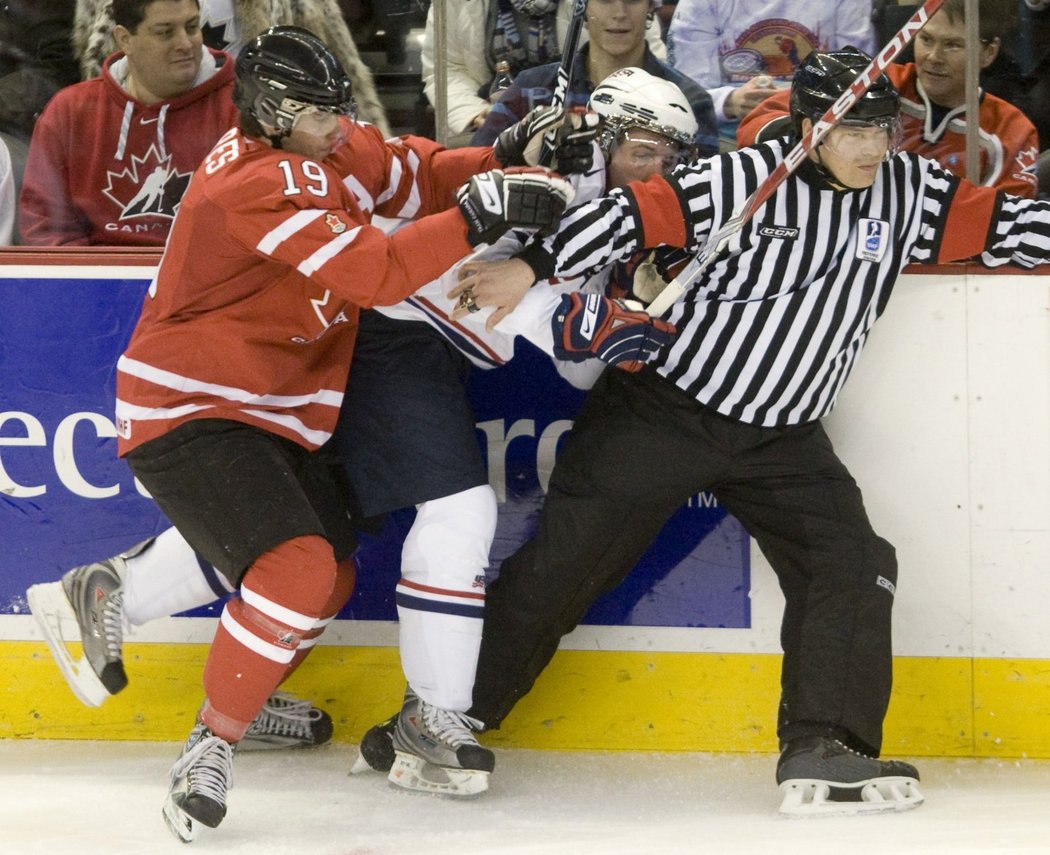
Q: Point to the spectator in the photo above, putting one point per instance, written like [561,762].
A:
[229,26]
[1035,65]
[7,198]
[1002,77]
[480,33]
[740,51]
[111,157]
[35,60]
[617,40]
[933,104]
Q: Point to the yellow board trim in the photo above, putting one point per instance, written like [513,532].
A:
[585,700]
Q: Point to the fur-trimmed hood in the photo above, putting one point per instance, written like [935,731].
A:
[93,39]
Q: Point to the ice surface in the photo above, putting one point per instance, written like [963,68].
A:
[89,798]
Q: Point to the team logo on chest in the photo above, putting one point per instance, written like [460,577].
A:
[873,236]
[150,187]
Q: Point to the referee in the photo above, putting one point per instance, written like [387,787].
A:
[767,337]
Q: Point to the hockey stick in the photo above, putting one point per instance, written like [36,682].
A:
[716,242]
[561,86]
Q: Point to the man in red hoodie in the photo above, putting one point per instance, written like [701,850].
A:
[111,157]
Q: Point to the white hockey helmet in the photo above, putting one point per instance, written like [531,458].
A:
[634,98]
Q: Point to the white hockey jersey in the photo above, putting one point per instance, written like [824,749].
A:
[531,318]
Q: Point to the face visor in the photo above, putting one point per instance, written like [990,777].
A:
[290,111]
[646,152]
[671,147]
[852,138]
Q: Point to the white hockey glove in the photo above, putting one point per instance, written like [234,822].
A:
[494,202]
[522,143]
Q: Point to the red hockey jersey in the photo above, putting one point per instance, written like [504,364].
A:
[1008,140]
[253,312]
[105,169]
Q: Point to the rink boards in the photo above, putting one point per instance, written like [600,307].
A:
[945,427]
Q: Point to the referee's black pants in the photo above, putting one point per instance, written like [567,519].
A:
[638,450]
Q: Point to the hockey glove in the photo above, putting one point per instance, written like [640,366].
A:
[493,202]
[521,144]
[586,325]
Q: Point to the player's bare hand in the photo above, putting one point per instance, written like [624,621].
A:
[500,284]
[744,99]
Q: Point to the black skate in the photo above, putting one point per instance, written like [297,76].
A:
[286,721]
[819,775]
[376,752]
[200,780]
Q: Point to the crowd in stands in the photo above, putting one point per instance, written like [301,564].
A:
[107,107]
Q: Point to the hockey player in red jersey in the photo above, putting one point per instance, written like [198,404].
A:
[233,378]
[933,107]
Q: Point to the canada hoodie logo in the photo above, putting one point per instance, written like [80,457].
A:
[149,187]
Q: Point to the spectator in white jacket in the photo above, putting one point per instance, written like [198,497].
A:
[739,51]
[480,33]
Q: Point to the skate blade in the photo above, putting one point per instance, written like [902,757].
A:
[180,823]
[414,773]
[807,797]
[52,612]
[361,765]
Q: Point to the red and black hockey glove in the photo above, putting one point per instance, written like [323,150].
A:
[587,325]
[493,202]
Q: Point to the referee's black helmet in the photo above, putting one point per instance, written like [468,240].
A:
[822,77]
[286,70]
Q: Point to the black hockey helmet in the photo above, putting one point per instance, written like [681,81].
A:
[822,77]
[286,70]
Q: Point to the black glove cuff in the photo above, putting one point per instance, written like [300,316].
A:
[539,259]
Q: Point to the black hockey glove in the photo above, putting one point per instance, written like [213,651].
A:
[586,325]
[493,202]
[521,144]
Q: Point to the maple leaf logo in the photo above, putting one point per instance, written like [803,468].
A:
[334,223]
[150,187]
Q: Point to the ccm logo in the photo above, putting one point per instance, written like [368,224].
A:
[778,232]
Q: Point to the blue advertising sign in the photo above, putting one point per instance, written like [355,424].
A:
[65,498]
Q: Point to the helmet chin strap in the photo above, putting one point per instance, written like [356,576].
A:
[823,174]
[277,138]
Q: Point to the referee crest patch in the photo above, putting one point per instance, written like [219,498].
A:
[872,239]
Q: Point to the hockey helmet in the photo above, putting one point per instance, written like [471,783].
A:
[634,98]
[287,71]
[822,77]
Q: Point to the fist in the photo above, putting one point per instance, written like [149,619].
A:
[493,202]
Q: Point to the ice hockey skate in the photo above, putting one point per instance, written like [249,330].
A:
[376,752]
[435,751]
[286,721]
[819,776]
[200,780]
[88,601]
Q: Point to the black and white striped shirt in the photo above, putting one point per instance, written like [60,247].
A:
[771,330]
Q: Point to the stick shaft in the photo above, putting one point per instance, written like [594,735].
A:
[561,85]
